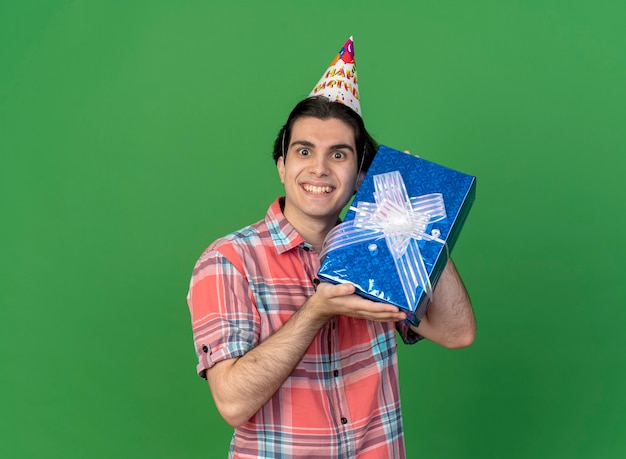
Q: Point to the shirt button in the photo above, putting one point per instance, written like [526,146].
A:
[336,373]
[205,349]
[344,421]
[305,248]
[316,281]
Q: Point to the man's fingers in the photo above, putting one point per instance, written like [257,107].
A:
[372,310]
[333,290]
[342,300]
[408,152]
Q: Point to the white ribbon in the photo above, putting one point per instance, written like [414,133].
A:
[402,221]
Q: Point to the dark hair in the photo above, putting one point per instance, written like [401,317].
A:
[322,108]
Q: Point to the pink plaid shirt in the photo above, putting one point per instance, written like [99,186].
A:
[342,400]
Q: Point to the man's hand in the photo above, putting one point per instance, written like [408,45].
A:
[340,300]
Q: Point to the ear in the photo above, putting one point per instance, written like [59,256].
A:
[359,180]
[280,165]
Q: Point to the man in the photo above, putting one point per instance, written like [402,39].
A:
[303,368]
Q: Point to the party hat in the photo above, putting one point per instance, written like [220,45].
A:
[339,83]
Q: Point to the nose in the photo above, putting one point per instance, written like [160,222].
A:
[320,165]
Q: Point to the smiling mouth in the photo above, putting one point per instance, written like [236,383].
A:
[317,189]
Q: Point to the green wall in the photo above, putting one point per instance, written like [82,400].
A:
[132,134]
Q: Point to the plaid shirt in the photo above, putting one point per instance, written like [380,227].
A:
[342,400]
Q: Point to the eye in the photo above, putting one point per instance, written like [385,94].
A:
[304,152]
[339,155]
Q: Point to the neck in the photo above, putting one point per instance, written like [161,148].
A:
[315,236]
[312,230]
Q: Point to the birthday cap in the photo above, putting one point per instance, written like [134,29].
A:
[339,83]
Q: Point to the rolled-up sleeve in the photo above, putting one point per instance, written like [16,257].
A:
[407,334]
[224,317]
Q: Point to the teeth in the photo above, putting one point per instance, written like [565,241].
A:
[317,189]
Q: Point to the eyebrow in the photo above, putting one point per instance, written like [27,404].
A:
[339,146]
[304,143]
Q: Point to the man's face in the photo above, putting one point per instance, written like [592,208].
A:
[320,172]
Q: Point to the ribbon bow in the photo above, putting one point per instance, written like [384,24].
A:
[402,221]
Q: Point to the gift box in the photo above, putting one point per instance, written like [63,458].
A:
[399,231]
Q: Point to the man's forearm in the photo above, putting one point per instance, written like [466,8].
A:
[243,385]
[240,387]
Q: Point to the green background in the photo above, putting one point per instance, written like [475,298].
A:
[132,134]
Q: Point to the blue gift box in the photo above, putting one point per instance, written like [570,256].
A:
[399,231]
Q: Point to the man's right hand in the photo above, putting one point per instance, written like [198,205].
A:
[340,300]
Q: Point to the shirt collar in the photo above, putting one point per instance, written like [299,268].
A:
[284,235]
